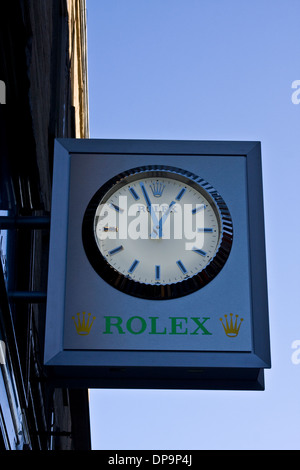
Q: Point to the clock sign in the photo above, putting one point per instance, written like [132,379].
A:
[157,265]
[157,273]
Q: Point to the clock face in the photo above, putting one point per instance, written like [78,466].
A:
[157,232]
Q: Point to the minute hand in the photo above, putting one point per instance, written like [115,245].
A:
[151,211]
[163,219]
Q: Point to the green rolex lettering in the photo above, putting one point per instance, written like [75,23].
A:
[177,325]
[137,325]
[140,325]
[200,326]
[116,324]
[154,327]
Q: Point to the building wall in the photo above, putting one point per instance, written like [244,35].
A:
[43,64]
[78,55]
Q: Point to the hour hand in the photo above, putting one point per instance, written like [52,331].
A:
[162,221]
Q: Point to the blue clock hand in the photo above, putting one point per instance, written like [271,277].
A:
[164,218]
[151,211]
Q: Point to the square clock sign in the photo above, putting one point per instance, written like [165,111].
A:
[157,269]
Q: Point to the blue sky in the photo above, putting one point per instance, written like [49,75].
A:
[208,70]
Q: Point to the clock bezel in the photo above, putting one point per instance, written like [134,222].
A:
[174,290]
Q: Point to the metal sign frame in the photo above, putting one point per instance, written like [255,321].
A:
[156,369]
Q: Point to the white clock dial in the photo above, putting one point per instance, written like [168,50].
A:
[157,232]
[179,210]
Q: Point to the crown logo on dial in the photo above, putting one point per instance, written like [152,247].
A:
[157,189]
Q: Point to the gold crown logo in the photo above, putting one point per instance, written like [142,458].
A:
[83,327]
[231,330]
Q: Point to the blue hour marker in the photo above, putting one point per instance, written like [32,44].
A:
[134,193]
[133,266]
[200,252]
[180,194]
[205,230]
[117,208]
[148,202]
[116,250]
[181,266]
[157,273]
[199,208]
